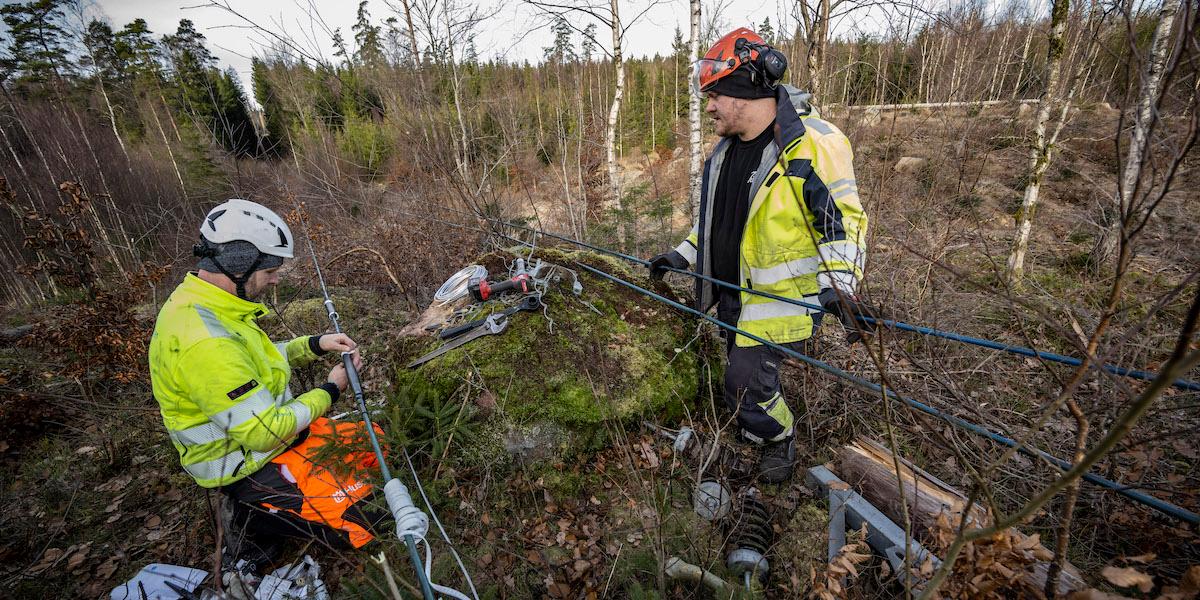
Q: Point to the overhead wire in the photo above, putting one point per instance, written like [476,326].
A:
[929,331]
[1161,506]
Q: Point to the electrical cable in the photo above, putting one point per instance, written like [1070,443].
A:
[1163,507]
[411,523]
[1166,508]
[929,331]
[442,530]
[456,286]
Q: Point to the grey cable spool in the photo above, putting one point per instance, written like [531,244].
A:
[456,286]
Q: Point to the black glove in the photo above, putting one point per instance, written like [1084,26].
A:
[659,264]
[847,309]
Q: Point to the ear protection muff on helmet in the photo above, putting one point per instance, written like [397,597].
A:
[765,69]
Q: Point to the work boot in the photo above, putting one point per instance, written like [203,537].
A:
[777,461]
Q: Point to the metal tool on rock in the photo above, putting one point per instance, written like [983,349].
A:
[491,325]
[483,289]
[526,303]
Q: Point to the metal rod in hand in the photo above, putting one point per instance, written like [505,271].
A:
[356,387]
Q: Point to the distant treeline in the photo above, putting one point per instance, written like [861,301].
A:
[153,129]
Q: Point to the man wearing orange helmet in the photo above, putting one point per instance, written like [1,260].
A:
[779,213]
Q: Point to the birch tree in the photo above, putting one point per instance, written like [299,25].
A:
[614,111]
[1122,204]
[812,31]
[610,16]
[1043,143]
[694,139]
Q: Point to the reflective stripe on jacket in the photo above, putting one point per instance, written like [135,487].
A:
[806,230]
[222,385]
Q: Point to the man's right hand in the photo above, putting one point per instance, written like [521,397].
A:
[660,263]
[339,378]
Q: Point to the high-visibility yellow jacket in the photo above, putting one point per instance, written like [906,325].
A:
[222,385]
[806,230]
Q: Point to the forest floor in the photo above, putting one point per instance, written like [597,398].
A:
[92,491]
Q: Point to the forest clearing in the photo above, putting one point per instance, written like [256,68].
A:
[400,312]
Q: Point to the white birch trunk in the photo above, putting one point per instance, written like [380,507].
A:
[614,111]
[412,34]
[1039,158]
[462,149]
[1112,219]
[991,94]
[170,153]
[695,139]
[1021,63]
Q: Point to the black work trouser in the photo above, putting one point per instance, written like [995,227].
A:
[752,386]
[257,526]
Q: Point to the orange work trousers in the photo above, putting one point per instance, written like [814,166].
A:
[314,489]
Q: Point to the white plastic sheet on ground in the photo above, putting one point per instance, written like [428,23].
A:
[151,583]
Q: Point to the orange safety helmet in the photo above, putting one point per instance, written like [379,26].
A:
[737,48]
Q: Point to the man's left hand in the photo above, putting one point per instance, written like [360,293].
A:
[340,342]
[848,308]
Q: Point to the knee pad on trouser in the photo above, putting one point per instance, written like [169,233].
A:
[752,389]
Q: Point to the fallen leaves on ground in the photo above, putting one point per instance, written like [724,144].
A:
[1128,577]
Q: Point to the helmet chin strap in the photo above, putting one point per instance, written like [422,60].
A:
[204,250]
[240,281]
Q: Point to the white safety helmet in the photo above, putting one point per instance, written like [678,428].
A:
[243,220]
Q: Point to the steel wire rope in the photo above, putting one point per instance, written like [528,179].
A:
[411,523]
[1181,383]
[1150,501]
[1161,506]
[427,571]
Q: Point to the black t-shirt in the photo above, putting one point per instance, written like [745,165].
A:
[731,205]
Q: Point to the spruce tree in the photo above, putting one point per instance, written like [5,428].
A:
[274,140]
[232,123]
[561,51]
[368,45]
[101,56]
[139,52]
[766,31]
[587,46]
[37,51]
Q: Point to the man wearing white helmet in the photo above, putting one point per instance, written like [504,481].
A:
[222,388]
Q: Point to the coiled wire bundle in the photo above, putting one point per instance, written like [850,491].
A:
[456,286]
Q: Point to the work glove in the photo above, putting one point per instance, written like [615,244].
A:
[659,264]
[847,309]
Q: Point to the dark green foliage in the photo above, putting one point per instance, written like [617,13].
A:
[766,31]
[369,49]
[561,51]
[276,117]
[231,123]
[37,49]
[138,53]
[213,99]
[587,47]
[101,55]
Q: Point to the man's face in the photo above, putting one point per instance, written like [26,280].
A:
[260,282]
[727,113]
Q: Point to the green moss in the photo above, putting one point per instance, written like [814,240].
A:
[567,365]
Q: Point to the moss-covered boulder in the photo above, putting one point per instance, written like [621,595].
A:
[553,378]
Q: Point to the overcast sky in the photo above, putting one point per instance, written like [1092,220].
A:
[515,31]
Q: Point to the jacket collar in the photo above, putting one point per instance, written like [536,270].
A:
[790,105]
[214,298]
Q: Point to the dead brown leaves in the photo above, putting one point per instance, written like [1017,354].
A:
[829,584]
[994,567]
[1127,577]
